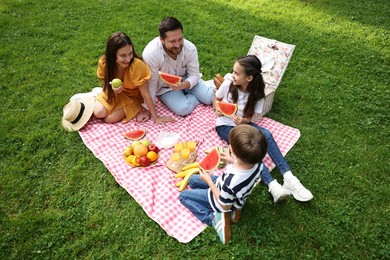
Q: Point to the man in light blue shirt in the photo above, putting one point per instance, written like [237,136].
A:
[171,53]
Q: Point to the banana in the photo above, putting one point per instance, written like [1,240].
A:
[180,174]
[190,166]
[184,182]
[185,173]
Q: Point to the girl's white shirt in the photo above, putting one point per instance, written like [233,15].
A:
[223,92]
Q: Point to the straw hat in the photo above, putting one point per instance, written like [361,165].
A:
[77,113]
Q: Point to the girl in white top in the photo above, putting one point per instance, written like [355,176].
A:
[245,88]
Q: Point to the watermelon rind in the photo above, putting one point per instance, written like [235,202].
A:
[135,134]
[211,161]
[169,78]
[227,109]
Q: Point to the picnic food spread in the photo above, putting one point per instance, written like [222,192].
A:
[183,153]
[141,153]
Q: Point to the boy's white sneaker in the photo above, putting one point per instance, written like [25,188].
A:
[277,191]
[295,187]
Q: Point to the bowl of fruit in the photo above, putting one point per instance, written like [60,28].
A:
[141,153]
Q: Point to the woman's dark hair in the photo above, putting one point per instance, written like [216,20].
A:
[169,24]
[252,67]
[116,41]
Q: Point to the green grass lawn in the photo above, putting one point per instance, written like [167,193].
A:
[59,201]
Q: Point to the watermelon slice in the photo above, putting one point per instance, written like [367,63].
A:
[227,109]
[135,134]
[211,161]
[169,78]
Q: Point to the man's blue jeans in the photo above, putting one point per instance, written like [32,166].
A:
[183,102]
[273,151]
[196,199]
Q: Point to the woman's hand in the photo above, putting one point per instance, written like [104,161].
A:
[143,115]
[118,89]
[163,119]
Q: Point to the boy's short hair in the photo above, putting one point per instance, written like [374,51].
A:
[168,24]
[248,143]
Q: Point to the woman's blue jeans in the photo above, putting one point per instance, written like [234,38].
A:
[273,151]
[196,199]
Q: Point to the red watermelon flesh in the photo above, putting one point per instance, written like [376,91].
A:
[211,161]
[169,78]
[135,134]
[228,109]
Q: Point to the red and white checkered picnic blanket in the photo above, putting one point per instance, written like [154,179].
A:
[154,187]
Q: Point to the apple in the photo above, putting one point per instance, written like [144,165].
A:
[116,83]
[154,148]
[144,161]
[145,142]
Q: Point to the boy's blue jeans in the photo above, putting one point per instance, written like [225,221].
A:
[196,199]
[273,151]
[183,102]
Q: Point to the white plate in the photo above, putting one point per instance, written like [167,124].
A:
[167,140]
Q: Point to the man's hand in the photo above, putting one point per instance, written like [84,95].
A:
[180,86]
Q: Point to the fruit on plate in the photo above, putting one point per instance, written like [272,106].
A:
[140,150]
[135,134]
[135,161]
[128,151]
[152,155]
[169,78]
[144,161]
[138,154]
[154,148]
[116,83]
[145,142]
[227,109]
[211,161]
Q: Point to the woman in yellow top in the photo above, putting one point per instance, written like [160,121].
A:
[125,102]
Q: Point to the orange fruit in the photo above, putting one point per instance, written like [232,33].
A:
[128,151]
[135,161]
[152,156]
[140,150]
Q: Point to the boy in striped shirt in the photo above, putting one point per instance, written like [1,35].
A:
[214,199]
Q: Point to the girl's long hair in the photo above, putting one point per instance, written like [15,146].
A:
[116,41]
[252,67]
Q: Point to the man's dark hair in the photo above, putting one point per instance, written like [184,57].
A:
[168,24]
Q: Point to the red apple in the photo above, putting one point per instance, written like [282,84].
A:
[154,148]
[144,161]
